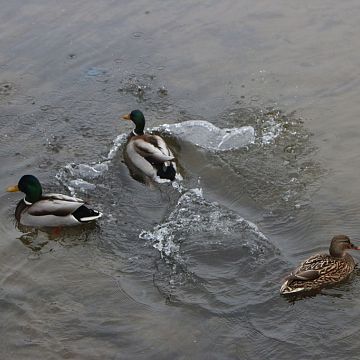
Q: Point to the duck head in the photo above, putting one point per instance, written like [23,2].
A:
[30,186]
[137,117]
[339,245]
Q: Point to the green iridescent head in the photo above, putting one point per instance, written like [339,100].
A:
[30,186]
[137,117]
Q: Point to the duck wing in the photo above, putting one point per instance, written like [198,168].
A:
[322,263]
[62,197]
[154,150]
[136,161]
[162,146]
[55,204]
[307,275]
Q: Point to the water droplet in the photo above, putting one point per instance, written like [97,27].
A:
[94,71]
[137,34]
[6,88]
[162,91]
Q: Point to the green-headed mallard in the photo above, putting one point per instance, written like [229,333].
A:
[49,210]
[147,156]
[322,269]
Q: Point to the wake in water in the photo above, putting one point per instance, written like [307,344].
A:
[193,213]
[210,256]
[79,177]
[205,248]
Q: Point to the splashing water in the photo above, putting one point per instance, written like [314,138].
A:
[78,177]
[206,135]
[194,214]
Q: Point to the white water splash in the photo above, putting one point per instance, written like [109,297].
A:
[76,177]
[79,177]
[194,214]
[117,143]
[271,131]
[206,135]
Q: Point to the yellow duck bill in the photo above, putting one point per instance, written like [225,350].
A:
[13,188]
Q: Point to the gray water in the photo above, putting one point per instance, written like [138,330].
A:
[190,270]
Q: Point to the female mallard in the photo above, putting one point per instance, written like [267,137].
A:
[322,269]
[147,156]
[49,210]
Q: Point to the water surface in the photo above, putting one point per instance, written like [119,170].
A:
[191,270]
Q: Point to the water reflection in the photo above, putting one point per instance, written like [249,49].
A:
[40,240]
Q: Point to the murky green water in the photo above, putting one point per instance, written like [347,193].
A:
[187,272]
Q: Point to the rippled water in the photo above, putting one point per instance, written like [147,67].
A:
[258,101]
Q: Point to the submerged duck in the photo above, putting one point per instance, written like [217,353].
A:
[147,156]
[49,210]
[322,269]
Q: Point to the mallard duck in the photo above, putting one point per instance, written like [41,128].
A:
[147,156]
[322,269]
[49,210]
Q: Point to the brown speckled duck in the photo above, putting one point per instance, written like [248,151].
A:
[147,156]
[322,269]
